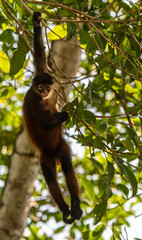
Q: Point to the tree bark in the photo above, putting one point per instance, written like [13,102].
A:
[24,166]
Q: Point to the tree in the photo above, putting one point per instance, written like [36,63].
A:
[104,109]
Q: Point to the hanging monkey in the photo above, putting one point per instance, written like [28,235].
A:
[44,126]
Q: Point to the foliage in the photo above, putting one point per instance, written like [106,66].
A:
[105,112]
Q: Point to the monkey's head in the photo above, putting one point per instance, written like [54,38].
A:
[42,84]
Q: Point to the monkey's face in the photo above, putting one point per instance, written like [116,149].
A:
[43,90]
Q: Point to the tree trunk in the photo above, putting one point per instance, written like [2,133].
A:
[24,167]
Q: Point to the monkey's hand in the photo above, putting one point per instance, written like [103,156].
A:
[76,211]
[67,218]
[36,22]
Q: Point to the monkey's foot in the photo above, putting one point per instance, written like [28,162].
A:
[76,211]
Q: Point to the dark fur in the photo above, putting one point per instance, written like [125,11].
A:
[44,126]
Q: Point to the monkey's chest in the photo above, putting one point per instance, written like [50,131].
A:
[45,105]
[44,139]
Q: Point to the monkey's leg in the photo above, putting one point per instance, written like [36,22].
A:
[71,181]
[49,171]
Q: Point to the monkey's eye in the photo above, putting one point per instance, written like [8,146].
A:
[48,88]
[40,88]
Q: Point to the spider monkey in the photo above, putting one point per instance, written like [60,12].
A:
[44,127]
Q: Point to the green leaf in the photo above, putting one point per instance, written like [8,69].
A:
[98,230]
[4,93]
[71,30]
[132,134]
[98,164]
[131,178]
[135,138]
[117,234]
[84,36]
[98,143]
[18,58]
[58,230]
[102,126]
[109,192]
[4,62]
[125,6]
[89,187]
[89,117]
[111,172]
[100,40]
[99,211]
[6,36]
[86,234]
[99,79]
[128,145]
[110,137]
[123,188]
[60,30]
[119,165]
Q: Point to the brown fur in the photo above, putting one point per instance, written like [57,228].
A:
[44,126]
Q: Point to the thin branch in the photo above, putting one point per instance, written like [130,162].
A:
[110,150]
[130,74]
[84,14]
[20,25]
[121,51]
[26,7]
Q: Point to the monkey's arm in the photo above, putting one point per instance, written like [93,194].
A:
[39,53]
[49,120]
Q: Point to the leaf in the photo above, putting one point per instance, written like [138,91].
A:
[124,189]
[6,36]
[135,138]
[125,6]
[98,143]
[112,71]
[89,117]
[58,230]
[132,134]
[98,164]
[99,79]
[111,172]
[102,126]
[60,30]
[4,62]
[71,30]
[4,93]
[117,234]
[100,40]
[85,234]
[119,165]
[110,137]
[128,145]
[131,178]
[99,210]
[98,230]
[84,36]
[18,58]
[109,192]
[89,187]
